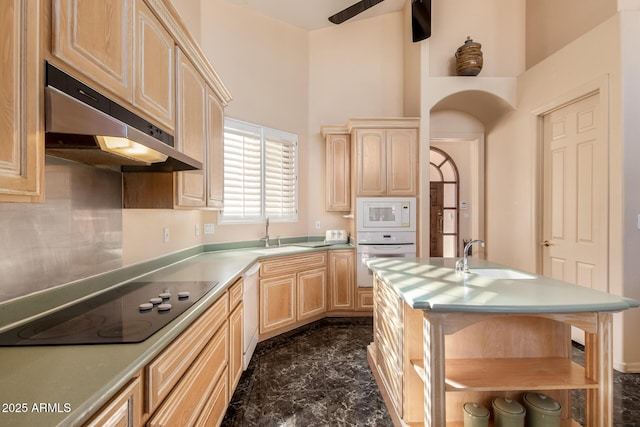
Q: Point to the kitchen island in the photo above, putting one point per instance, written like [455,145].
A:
[443,338]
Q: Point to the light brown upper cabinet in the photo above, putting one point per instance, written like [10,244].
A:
[338,172]
[95,38]
[370,157]
[121,46]
[191,131]
[215,156]
[386,162]
[21,124]
[154,68]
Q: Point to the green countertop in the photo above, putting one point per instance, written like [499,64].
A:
[64,385]
[434,284]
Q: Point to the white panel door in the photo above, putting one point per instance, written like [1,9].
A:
[575,221]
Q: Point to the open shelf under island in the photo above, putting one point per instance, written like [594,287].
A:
[444,337]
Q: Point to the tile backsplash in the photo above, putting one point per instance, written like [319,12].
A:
[75,234]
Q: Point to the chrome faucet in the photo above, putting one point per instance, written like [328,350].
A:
[266,234]
[463,263]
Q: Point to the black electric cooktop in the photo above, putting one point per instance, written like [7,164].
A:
[130,313]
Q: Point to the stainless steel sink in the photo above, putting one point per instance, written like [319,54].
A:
[501,273]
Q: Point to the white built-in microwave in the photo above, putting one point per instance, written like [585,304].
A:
[386,213]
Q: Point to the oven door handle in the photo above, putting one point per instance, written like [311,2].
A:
[385,248]
[386,244]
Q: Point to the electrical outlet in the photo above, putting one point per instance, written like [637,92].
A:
[208,229]
[197,230]
[165,237]
[317,225]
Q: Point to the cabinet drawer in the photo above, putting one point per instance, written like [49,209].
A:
[188,400]
[365,300]
[292,264]
[235,293]
[216,406]
[167,369]
[124,410]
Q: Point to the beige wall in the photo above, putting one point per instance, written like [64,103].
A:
[513,179]
[289,79]
[625,223]
[189,11]
[553,24]
[312,79]
[355,70]
[264,64]
[496,24]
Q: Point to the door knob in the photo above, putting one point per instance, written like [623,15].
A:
[546,243]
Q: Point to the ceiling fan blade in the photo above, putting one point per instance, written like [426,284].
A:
[353,10]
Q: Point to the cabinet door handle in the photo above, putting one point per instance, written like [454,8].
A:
[546,244]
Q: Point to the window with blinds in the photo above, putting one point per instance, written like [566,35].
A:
[260,174]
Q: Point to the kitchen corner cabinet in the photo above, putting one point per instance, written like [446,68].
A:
[428,364]
[342,280]
[21,126]
[292,292]
[338,172]
[386,162]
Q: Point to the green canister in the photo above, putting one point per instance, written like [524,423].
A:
[507,413]
[542,410]
[475,415]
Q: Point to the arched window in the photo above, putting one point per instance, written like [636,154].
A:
[443,175]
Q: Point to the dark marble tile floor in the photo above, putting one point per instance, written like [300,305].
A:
[319,376]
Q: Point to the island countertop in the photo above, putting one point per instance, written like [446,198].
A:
[434,284]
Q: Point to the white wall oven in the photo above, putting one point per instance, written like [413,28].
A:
[385,228]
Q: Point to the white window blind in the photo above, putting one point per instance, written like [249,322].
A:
[260,174]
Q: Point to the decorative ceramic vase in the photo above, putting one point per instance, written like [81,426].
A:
[469,58]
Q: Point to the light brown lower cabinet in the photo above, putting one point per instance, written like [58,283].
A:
[312,293]
[277,302]
[191,382]
[364,301]
[342,280]
[124,410]
[293,290]
[236,348]
[186,402]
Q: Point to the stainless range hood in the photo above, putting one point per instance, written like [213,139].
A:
[85,126]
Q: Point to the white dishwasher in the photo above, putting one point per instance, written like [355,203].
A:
[250,298]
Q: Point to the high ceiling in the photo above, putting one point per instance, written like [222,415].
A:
[313,14]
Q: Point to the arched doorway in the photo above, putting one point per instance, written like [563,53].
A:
[443,176]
